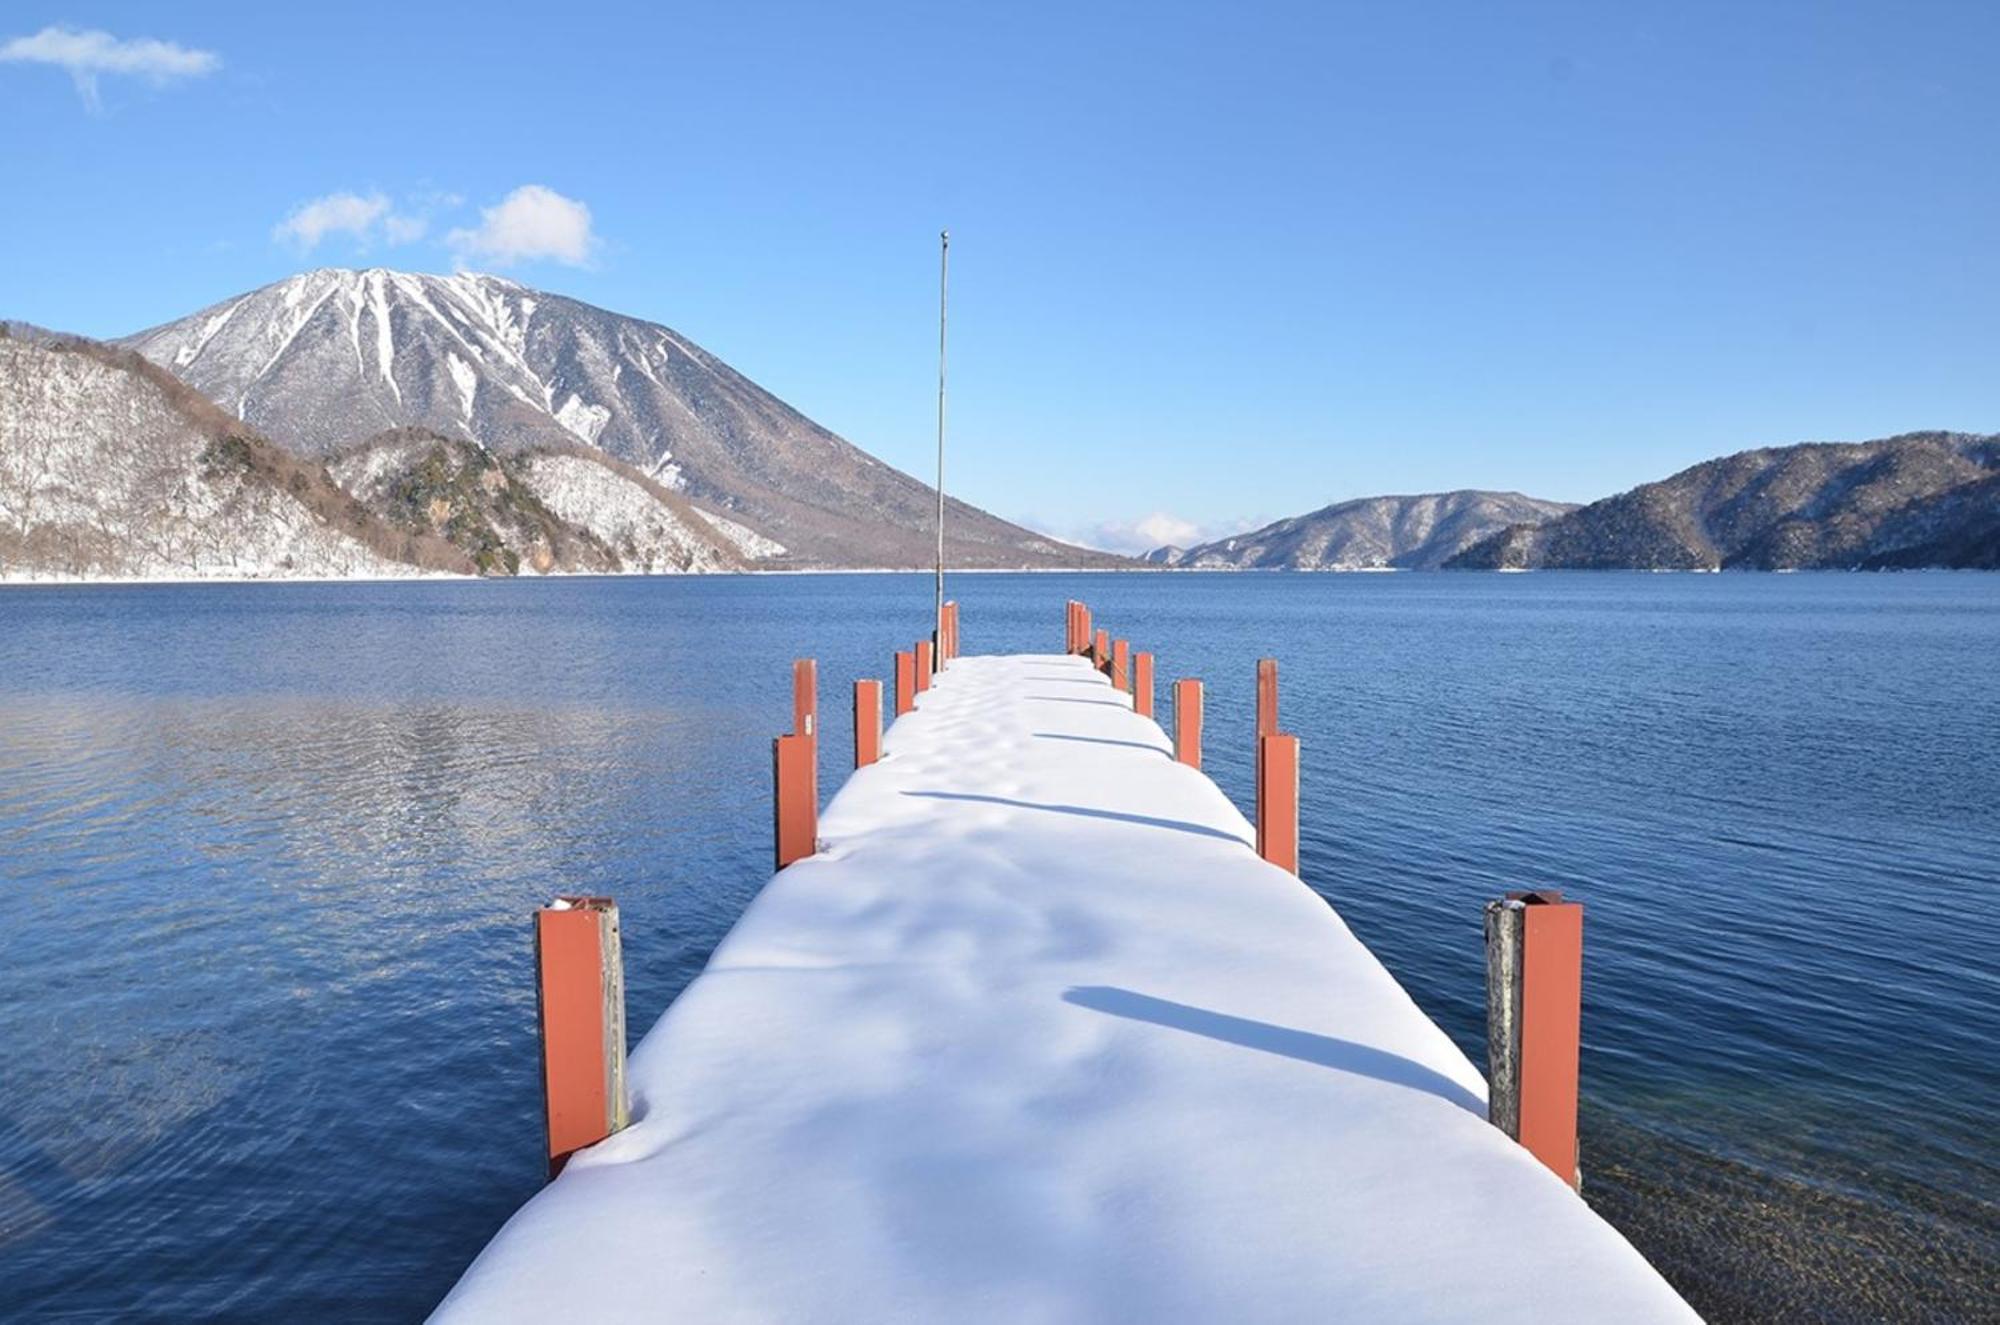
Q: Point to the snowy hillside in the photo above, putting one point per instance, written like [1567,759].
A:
[330,357]
[111,468]
[635,518]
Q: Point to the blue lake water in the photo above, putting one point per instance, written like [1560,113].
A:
[268,853]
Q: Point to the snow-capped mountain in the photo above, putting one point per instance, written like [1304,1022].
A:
[111,468]
[330,357]
[1371,533]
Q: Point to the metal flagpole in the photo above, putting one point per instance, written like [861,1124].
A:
[944,285]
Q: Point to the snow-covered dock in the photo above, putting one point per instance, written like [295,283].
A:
[1038,1037]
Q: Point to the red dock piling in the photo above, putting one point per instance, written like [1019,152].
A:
[1267,697]
[906,683]
[1278,800]
[1187,722]
[1534,1016]
[1100,650]
[867,722]
[580,987]
[1142,684]
[805,698]
[795,809]
[1121,665]
[924,664]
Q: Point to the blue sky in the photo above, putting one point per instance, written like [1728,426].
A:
[1211,263]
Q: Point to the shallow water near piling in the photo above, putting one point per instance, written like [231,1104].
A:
[267,855]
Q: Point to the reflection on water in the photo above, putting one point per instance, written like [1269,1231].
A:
[267,855]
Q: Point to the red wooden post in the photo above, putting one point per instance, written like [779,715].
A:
[1267,716]
[1187,722]
[1534,1023]
[1142,684]
[1100,650]
[1278,800]
[1121,665]
[1070,632]
[867,722]
[795,810]
[805,698]
[580,988]
[1083,628]
[805,712]
[906,683]
[951,608]
[923,665]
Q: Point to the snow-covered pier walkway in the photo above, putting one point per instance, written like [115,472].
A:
[1037,1036]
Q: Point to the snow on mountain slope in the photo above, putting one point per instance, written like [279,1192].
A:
[329,357]
[1371,533]
[111,468]
[625,511]
[423,483]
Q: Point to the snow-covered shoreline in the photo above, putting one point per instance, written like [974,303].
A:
[1036,1036]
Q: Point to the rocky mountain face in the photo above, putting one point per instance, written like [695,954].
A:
[1372,533]
[1920,499]
[110,467]
[328,358]
[422,483]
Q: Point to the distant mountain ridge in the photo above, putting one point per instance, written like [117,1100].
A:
[1370,533]
[1918,499]
[325,359]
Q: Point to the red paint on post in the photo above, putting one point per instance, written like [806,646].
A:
[1551,1029]
[867,722]
[1278,800]
[923,665]
[1267,714]
[582,1014]
[1187,722]
[1121,665]
[805,697]
[906,683]
[1142,684]
[795,810]
[1100,650]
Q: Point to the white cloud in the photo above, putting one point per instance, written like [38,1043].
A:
[87,55]
[1159,529]
[404,229]
[531,222]
[361,217]
[336,212]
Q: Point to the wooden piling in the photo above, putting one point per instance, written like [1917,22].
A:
[1187,721]
[925,662]
[795,808]
[1100,650]
[805,713]
[867,722]
[1534,1015]
[906,683]
[1278,800]
[1142,684]
[1121,665]
[580,992]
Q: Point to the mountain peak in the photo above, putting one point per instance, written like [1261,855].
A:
[331,356]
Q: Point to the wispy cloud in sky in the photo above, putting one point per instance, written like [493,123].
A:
[1132,537]
[531,222]
[361,217]
[91,54]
